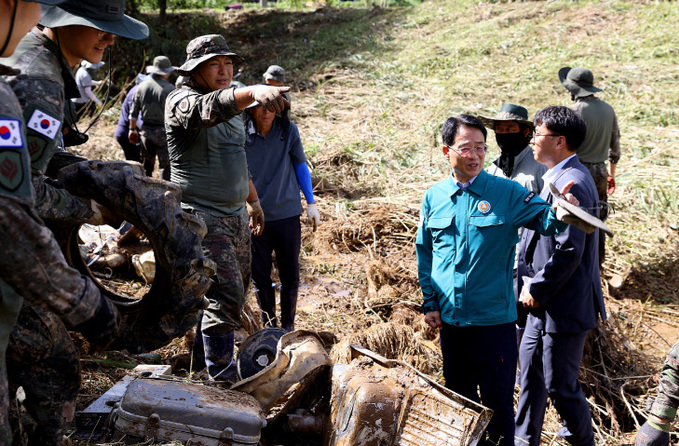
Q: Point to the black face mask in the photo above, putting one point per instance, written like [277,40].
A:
[511,145]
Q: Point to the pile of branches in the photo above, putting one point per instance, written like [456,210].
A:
[616,377]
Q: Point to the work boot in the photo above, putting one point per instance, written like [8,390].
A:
[288,308]
[219,356]
[266,297]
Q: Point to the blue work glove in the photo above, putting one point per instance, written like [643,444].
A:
[653,434]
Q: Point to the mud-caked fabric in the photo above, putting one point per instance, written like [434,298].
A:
[42,87]
[665,405]
[43,360]
[227,243]
[37,269]
[154,145]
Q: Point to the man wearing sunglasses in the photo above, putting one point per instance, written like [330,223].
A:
[465,252]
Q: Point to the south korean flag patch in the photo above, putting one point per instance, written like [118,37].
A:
[44,124]
[10,133]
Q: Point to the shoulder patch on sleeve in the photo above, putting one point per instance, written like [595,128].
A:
[529,197]
[184,105]
[10,133]
[44,124]
[35,145]
[180,95]
[11,169]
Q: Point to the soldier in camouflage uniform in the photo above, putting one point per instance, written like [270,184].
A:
[150,101]
[41,356]
[34,267]
[656,430]
[205,138]
[603,136]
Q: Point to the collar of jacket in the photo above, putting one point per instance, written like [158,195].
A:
[477,187]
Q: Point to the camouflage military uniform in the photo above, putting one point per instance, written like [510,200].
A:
[150,100]
[205,139]
[16,195]
[665,405]
[36,270]
[41,356]
[42,93]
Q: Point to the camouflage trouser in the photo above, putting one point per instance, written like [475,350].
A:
[600,175]
[43,360]
[154,143]
[227,243]
[10,304]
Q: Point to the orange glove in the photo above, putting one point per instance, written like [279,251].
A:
[611,185]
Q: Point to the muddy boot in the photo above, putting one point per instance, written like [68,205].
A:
[219,357]
[266,297]
[288,308]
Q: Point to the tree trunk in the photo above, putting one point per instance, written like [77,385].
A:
[162,6]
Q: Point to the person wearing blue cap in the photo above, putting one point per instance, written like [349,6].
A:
[41,357]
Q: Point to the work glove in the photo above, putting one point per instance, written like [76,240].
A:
[611,185]
[652,433]
[133,137]
[102,328]
[256,216]
[271,97]
[313,215]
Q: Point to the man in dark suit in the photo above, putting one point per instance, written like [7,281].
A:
[558,281]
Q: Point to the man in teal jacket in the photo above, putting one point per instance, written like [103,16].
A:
[465,244]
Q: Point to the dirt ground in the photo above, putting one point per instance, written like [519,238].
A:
[359,285]
[359,278]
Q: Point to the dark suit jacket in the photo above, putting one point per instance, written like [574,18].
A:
[565,267]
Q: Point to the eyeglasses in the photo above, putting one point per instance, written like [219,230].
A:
[466,151]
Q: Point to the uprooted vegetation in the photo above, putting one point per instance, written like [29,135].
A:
[370,89]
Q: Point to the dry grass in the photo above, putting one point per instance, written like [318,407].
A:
[369,109]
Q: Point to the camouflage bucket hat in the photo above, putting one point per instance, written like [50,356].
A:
[203,48]
[579,81]
[104,15]
[161,65]
[275,72]
[508,112]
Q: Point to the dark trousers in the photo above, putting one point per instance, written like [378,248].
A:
[484,358]
[154,144]
[550,366]
[284,237]
[132,151]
